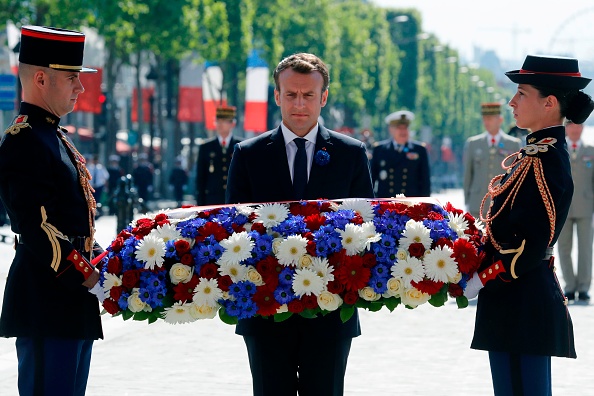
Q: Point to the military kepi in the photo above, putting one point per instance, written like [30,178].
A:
[58,49]
[549,71]
[225,112]
[492,108]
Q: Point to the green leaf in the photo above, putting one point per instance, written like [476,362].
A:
[391,303]
[230,320]
[438,299]
[282,316]
[360,303]
[346,312]
[127,314]
[142,315]
[375,306]
[462,302]
[309,313]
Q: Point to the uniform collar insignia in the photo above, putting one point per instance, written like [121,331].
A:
[20,118]
[50,120]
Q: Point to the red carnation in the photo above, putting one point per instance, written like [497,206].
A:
[428,286]
[351,297]
[416,249]
[209,271]
[237,228]
[259,228]
[111,306]
[434,216]
[315,221]
[264,299]
[353,274]
[311,248]
[295,306]
[114,265]
[143,227]
[181,247]
[214,229]
[419,211]
[450,208]
[303,208]
[455,290]
[130,279]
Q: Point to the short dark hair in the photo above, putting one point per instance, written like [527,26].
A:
[303,63]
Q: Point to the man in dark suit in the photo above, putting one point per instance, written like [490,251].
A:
[400,165]
[214,156]
[46,189]
[308,356]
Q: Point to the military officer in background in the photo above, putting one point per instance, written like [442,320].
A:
[483,154]
[400,165]
[581,157]
[46,189]
[214,156]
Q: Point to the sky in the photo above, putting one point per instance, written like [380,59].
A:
[512,28]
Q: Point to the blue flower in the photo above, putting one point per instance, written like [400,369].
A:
[322,157]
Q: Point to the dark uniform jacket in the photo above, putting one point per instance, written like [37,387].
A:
[522,308]
[404,171]
[260,172]
[212,168]
[41,189]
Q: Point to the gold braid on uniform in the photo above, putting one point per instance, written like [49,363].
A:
[524,165]
[84,178]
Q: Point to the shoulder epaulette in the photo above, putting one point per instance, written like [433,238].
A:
[19,123]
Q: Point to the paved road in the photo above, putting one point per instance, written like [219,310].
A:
[407,352]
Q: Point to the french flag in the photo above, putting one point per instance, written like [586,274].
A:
[212,93]
[190,105]
[256,94]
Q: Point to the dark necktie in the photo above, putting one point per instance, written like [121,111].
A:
[300,169]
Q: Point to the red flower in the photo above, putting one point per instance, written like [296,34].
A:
[311,248]
[398,207]
[111,306]
[209,271]
[181,247]
[114,265]
[466,256]
[335,287]
[264,299]
[419,211]
[428,286]
[118,243]
[450,208]
[310,302]
[441,242]
[369,260]
[116,292]
[315,221]
[351,297]
[187,259]
[237,227]
[455,290]
[143,227]
[224,282]
[303,208]
[131,279]
[161,219]
[214,229]
[259,228]
[295,306]
[185,291]
[353,274]
[416,249]
[434,216]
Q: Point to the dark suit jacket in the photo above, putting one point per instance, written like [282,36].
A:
[259,172]
[405,172]
[212,168]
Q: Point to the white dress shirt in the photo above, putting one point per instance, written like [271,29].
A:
[291,147]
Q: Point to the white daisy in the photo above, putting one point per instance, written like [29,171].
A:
[458,223]
[439,264]
[151,251]
[352,239]
[360,206]
[291,249]
[110,281]
[370,234]
[306,281]
[236,271]
[415,232]
[177,313]
[271,214]
[238,247]
[166,232]
[207,292]
[479,225]
[323,269]
[409,270]
[245,210]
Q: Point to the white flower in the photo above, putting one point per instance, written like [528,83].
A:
[236,271]
[368,294]
[135,304]
[370,234]
[415,232]
[458,223]
[110,281]
[414,297]
[271,214]
[238,247]
[245,210]
[254,276]
[291,249]
[329,301]
[306,281]
[204,311]
[456,278]
[305,261]
[361,206]
[283,308]
[166,232]
[401,254]
[323,269]
[352,239]
[178,313]
[409,270]
[439,264]
[395,287]
[151,250]
[479,225]
[180,273]
[207,292]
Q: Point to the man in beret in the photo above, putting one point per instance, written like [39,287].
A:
[483,154]
[47,191]
[214,157]
[400,165]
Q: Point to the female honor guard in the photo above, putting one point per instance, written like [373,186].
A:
[522,317]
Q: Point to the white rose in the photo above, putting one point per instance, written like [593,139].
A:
[203,311]
[401,254]
[275,244]
[368,294]
[395,287]
[414,297]
[135,304]
[254,276]
[329,301]
[456,278]
[283,308]
[180,273]
[305,261]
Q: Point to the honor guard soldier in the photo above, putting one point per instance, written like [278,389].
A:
[483,154]
[214,157]
[400,165]
[46,189]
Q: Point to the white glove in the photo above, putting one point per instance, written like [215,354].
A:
[97,290]
[473,286]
